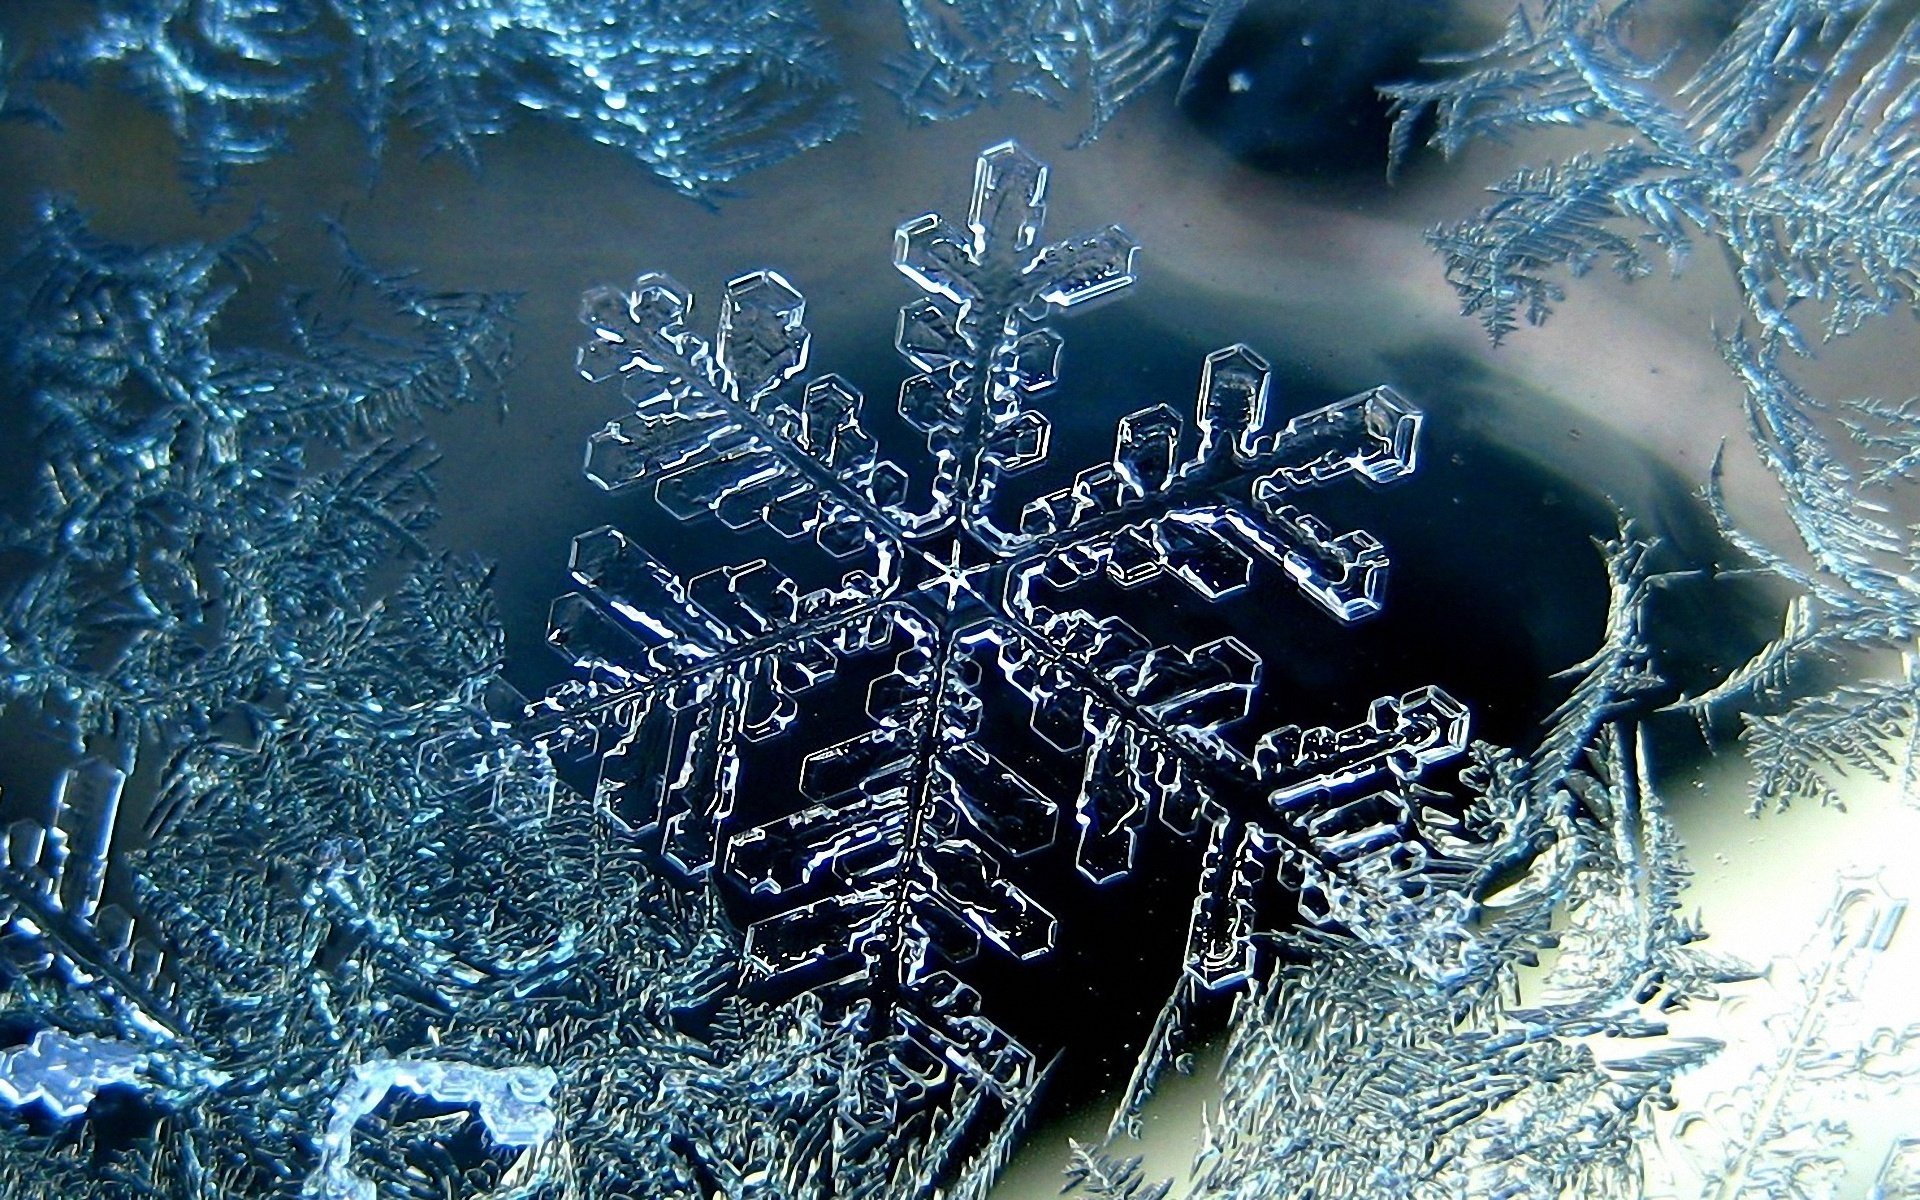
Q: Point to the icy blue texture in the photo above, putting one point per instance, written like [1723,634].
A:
[1858,582]
[181,539]
[1787,147]
[222,583]
[1371,1066]
[1790,148]
[13,106]
[336,852]
[963,53]
[697,93]
[896,857]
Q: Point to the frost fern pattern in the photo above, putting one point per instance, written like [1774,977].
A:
[1786,147]
[1789,147]
[697,94]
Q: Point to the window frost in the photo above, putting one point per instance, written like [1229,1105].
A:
[347,859]
[1359,1071]
[198,593]
[964,54]
[1785,147]
[699,94]
[1859,594]
[1780,1130]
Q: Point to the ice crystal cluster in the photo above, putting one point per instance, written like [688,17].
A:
[1359,1070]
[997,700]
[1369,1065]
[965,53]
[1781,1129]
[311,914]
[697,93]
[1789,149]
[303,912]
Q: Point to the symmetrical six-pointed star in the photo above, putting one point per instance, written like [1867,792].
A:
[891,858]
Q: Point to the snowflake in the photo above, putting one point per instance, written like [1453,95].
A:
[892,859]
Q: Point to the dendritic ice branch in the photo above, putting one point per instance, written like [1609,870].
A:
[996,696]
[1787,148]
[1369,1066]
[1780,1129]
[699,94]
[1857,579]
[178,533]
[963,54]
[312,914]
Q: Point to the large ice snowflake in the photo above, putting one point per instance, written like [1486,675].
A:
[892,858]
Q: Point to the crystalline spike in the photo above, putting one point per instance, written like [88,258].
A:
[1009,205]
[762,342]
[87,808]
[1220,951]
[1233,404]
[1145,449]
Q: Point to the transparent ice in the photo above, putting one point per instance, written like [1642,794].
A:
[698,94]
[1789,148]
[65,1073]
[893,859]
[514,1104]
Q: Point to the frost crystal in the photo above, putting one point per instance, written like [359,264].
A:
[179,534]
[697,93]
[333,851]
[515,1105]
[967,53]
[895,856]
[1787,147]
[1775,1133]
[198,593]
[1359,1070]
[1861,593]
